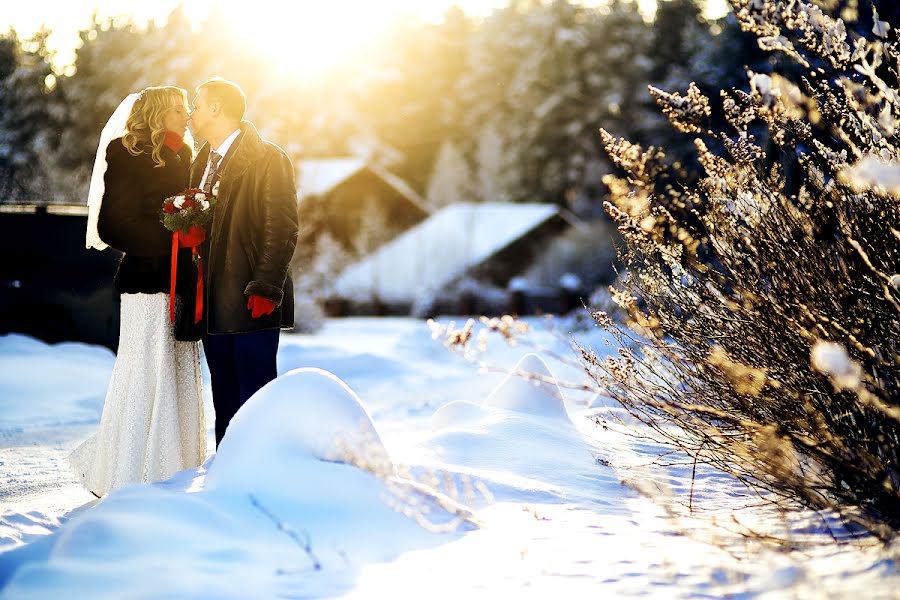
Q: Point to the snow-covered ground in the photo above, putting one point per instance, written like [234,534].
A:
[380,465]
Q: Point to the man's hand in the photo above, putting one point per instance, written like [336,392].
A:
[259,306]
[194,237]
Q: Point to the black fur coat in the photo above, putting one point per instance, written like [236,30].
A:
[129,222]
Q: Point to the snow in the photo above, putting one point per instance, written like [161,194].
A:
[319,176]
[518,284]
[879,28]
[761,83]
[530,388]
[831,358]
[275,422]
[73,394]
[442,248]
[380,465]
[570,281]
[873,173]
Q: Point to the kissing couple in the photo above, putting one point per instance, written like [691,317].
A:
[234,299]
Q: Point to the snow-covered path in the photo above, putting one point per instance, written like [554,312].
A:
[36,475]
[37,489]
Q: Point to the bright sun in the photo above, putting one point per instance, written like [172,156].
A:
[301,37]
[309,38]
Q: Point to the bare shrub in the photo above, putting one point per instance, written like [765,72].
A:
[763,302]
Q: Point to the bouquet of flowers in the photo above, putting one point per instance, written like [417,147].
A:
[190,208]
[186,216]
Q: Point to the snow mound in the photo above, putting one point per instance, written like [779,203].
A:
[305,413]
[520,440]
[530,388]
[599,401]
[457,414]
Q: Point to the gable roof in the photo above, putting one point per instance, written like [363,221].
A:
[316,177]
[319,176]
[440,249]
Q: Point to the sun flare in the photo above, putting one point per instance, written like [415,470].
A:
[300,39]
[308,38]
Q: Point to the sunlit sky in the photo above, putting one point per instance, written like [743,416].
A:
[310,35]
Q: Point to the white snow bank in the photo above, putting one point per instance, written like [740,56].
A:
[562,526]
[306,413]
[277,514]
[458,414]
[43,385]
[530,388]
[521,441]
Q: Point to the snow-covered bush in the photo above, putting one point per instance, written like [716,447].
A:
[764,301]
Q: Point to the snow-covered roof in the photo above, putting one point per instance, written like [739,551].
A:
[318,176]
[440,249]
[398,184]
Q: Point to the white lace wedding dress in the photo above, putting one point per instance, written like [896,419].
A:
[153,423]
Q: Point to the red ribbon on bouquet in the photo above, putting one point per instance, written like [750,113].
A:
[195,250]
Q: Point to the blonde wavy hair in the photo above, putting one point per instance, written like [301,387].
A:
[145,123]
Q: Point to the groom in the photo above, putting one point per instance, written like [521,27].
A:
[247,253]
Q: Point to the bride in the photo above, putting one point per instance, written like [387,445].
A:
[153,423]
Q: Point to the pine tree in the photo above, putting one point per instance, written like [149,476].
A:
[451,179]
[543,78]
[407,94]
[115,59]
[498,178]
[28,118]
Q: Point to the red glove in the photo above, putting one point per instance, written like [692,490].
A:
[259,306]
[194,237]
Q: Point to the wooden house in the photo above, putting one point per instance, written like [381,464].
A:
[360,204]
[464,248]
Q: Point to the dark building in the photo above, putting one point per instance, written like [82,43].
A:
[51,286]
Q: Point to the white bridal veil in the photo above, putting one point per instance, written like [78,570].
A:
[113,129]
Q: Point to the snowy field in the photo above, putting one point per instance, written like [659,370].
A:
[380,465]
